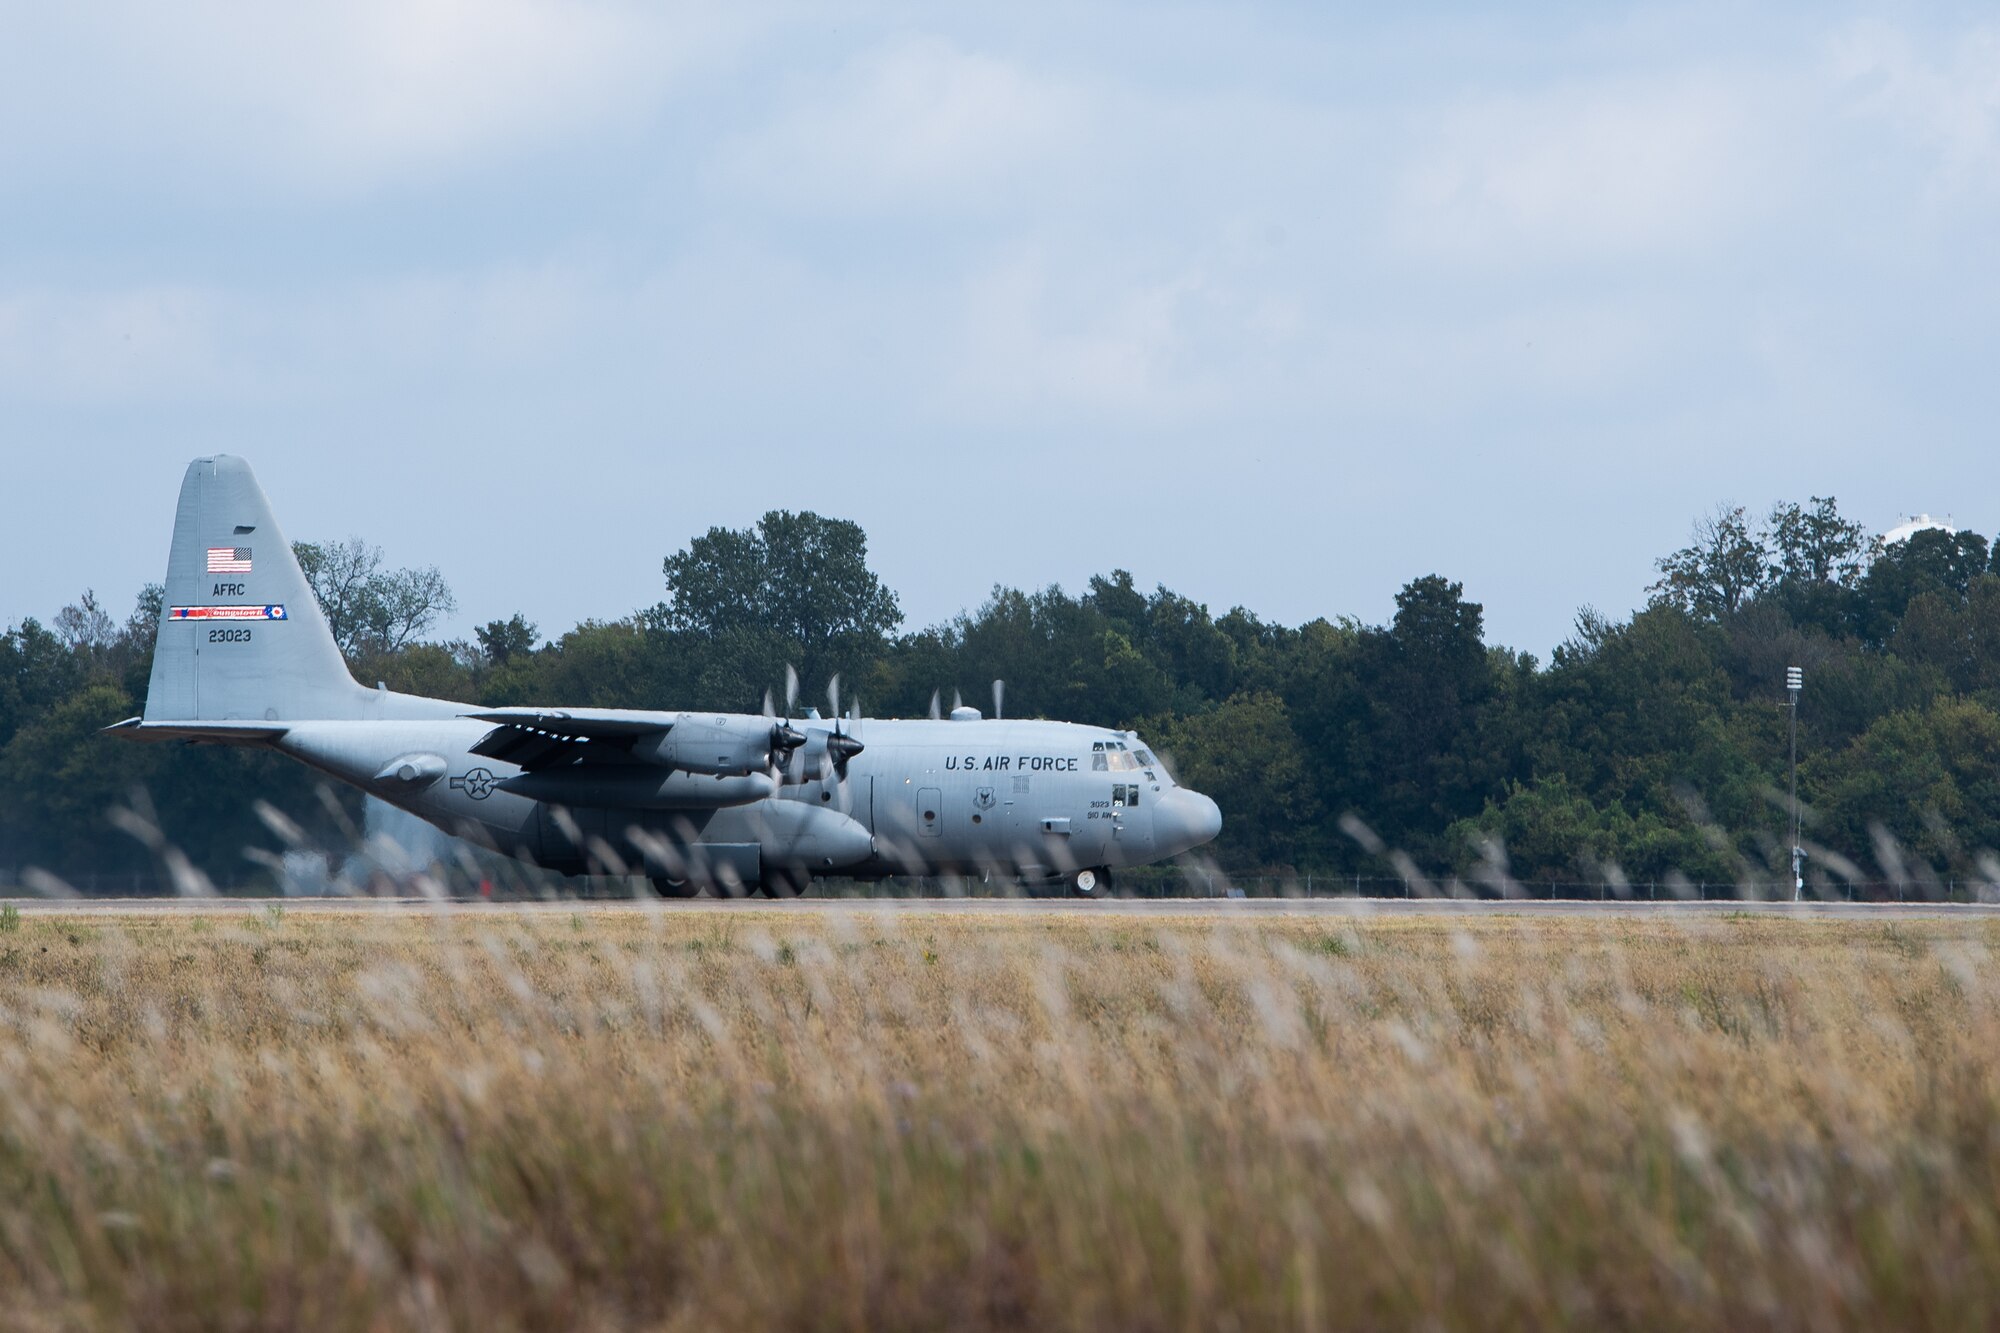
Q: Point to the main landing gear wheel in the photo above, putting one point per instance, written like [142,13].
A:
[675,888]
[1090,882]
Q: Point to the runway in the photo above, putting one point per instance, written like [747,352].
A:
[1212,908]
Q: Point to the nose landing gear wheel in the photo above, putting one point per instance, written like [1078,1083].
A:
[1090,882]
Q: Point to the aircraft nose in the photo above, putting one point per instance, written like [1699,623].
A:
[1185,819]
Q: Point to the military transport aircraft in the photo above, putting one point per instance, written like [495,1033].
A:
[728,802]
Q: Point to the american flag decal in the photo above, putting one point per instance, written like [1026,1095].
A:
[229,560]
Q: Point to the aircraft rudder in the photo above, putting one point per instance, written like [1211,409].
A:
[240,635]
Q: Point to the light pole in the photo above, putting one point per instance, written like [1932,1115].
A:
[1795,680]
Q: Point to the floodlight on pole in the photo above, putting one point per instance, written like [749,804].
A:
[1795,679]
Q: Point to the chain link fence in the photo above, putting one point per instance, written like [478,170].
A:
[513,881]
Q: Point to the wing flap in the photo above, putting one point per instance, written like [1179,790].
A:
[596,723]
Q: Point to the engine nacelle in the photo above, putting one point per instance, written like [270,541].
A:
[716,744]
[809,762]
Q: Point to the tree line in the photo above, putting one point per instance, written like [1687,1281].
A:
[1647,747]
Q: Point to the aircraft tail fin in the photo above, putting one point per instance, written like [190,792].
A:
[241,637]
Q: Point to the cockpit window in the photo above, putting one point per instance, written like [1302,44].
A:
[1113,756]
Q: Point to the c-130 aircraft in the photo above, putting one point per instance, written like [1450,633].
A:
[724,802]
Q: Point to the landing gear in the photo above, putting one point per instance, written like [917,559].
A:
[1090,882]
[675,888]
[784,882]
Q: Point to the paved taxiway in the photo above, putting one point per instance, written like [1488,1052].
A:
[1126,907]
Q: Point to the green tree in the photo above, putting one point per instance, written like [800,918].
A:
[1817,561]
[796,587]
[1548,831]
[1722,568]
[1620,710]
[1934,560]
[1928,777]
[372,610]
[1060,656]
[1956,637]
[1816,545]
[1419,743]
[503,640]
[1246,756]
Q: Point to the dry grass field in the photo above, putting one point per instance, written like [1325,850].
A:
[869,1121]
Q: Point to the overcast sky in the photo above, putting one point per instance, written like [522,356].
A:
[1277,305]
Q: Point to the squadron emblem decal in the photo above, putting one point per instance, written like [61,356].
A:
[478,784]
[984,798]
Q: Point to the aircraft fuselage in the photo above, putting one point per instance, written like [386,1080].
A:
[1029,798]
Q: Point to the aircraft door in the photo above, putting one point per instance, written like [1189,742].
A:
[930,811]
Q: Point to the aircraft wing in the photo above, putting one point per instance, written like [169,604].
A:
[541,738]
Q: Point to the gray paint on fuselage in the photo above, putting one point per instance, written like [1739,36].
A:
[996,783]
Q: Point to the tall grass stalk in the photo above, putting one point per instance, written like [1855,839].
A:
[863,1121]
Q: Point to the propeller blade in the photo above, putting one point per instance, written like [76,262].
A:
[935,715]
[767,705]
[833,695]
[791,688]
[999,697]
[957,699]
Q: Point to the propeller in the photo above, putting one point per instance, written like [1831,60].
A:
[785,738]
[935,715]
[840,746]
[806,755]
[791,688]
[999,697]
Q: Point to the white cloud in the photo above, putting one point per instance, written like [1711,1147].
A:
[1025,346]
[1614,169]
[330,95]
[151,343]
[187,343]
[916,124]
[1949,98]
